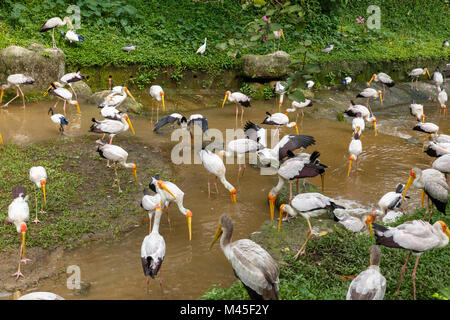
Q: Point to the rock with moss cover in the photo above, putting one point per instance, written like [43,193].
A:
[82,90]
[269,66]
[44,65]
[127,106]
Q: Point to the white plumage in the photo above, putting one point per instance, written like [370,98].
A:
[112,127]
[63,94]
[416,110]
[202,48]
[391,200]
[38,175]
[149,203]
[41,296]
[309,84]
[15,80]
[358,122]
[355,149]
[19,211]
[437,77]
[53,23]
[71,35]
[442,164]
[156,92]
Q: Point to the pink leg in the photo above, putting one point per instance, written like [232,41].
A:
[17,95]
[402,273]
[23,96]
[414,277]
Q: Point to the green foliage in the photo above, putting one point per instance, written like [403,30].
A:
[247,90]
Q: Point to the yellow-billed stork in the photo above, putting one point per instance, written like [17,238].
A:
[371,93]
[116,97]
[299,106]
[57,90]
[442,98]
[53,23]
[355,150]
[416,73]
[15,80]
[369,284]
[427,127]
[280,89]
[156,92]
[72,77]
[438,78]
[442,164]
[251,264]
[308,205]
[437,149]
[171,118]
[112,127]
[384,78]
[279,119]
[417,236]
[391,200]
[241,147]
[240,98]
[38,175]
[416,110]
[149,203]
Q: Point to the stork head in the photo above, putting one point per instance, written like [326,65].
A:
[352,158]
[371,79]
[129,93]
[444,228]
[369,220]
[380,94]
[67,20]
[163,186]
[233,195]
[428,73]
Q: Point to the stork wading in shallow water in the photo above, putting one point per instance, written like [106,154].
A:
[302,165]
[299,106]
[427,127]
[437,150]
[417,236]
[252,265]
[53,23]
[369,284]
[308,205]
[61,93]
[241,147]
[370,93]
[237,98]
[213,163]
[442,98]
[153,250]
[438,78]
[117,155]
[355,150]
[416,73]
[18,214]
[357,110]
[384,78]
[157,93]
[280,89]
[171,118]
[149,203]
[112,127]
[169,193]
[433,184]
[416,110]
[59,119]
[38,175]
[15,80]
[73,77]
[116,97]
[279,120]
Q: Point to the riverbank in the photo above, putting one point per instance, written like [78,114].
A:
[332,261]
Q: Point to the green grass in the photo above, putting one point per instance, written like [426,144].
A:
[318,275]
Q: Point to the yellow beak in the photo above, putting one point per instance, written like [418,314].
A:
[129,123]
[46,92]
[349,167]
[408,184]
[70,23]
[129,93]
[224,100]
[371,79]
[375,126]
[216,236]
[423,118]
[1,94]
[429,77]
[233,195]
[1,139]
[23,244]
[282,34]
[381,97]
[272,205]
[443,111]
[135,174]
[78,107]
[43,190]
[163,186]
[282,213]
[162,98]
[296,128]
[279,107]
[189,222]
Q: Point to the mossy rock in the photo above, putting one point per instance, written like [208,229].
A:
[270,66]
[82,90]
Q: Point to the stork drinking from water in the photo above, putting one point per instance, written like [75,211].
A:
[59,119]
[240,98]
[280,89]
[112,127]
[427,127]
[384,78]
[153,250]
[308,205]
[15,80]
[156,92]
[53,23]
[369,284]
[356,110]
[417,236]
[149,203]
[213,163]
[57,90]
[416,110]
[202,48]
[355,150]
[358,122]
[18,214]
[416,73]
[251,264]
[169,193]
[38,176]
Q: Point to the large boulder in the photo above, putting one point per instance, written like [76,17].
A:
[270,66]
[127,106]
[44,65]
[82,90]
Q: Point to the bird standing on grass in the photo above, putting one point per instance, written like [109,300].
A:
[369,284]
[417,236]
[328,48]
[202,48]
[38,176]
[53,23]
[129,48]
[251,264]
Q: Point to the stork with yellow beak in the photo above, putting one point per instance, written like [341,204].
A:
[112,127]
[240,98]
[57,90]
[416,73]
[169,193]
[156,92]
[384,78]
[38,176]
[116,97]
[278,34]
[355,149]
[53,23]
[117,155]
[371,93]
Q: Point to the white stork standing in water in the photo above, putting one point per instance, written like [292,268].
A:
[202,48]
[358,122]
[15,80]
[241,147]
[251,264]
[149,203]
[18,214]
[416,73]
[53,23]
[59,119]
[156,92]
[371,93]
[278,120]
[355,150]
[171,118]
[355,110]
[438,79]
[169,193]
[369,284]
[416,110]
[299,106]
[57,90]
[384,78]
[240,98]
[417,236]
[300,166]
[442,98]
[153,250]
[442,164]
[213,163]
[308,205]
[116,97]
[38,176]
[117,155]
[280,89]
[112,127]
[433,184]
[391,200]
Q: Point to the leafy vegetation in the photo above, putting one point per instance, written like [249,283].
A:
[322,273]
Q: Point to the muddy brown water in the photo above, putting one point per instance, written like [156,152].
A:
[114,269]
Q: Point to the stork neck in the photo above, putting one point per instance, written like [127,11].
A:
[226,184]
[275,190]
[158,214]
[225,240]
